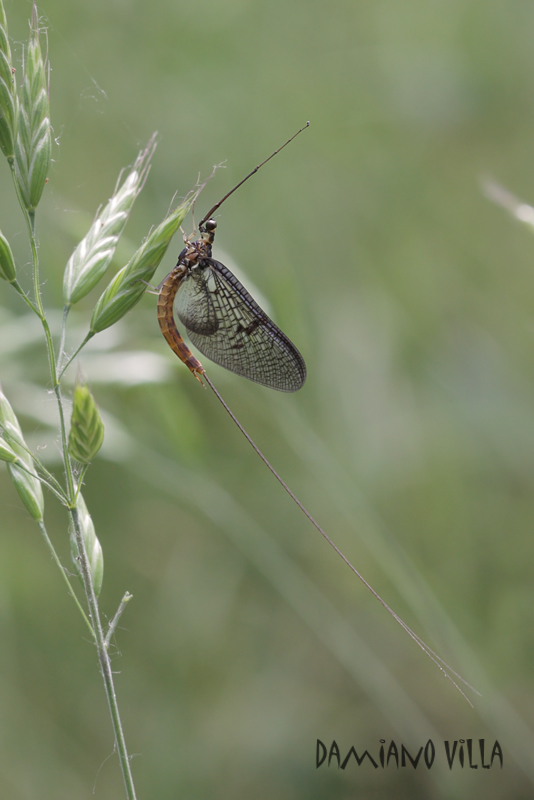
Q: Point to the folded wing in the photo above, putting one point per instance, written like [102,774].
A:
[227,325]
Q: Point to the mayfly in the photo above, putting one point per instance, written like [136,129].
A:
[229,327]
[221,318]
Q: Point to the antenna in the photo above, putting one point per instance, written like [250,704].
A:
[226,196]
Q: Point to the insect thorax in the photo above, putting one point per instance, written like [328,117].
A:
[195,252]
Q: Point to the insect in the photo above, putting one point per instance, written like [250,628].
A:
[221,318]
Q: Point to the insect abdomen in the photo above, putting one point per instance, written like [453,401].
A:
[168,325]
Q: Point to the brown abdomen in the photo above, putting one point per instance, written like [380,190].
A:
[168,326]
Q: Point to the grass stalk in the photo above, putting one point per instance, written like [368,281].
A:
[93,622]
[103,657]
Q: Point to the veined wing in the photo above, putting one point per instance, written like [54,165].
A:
[227,325]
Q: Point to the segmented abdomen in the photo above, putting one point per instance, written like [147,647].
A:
[169,287]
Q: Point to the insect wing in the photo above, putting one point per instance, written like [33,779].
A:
[194,306]
[228,326]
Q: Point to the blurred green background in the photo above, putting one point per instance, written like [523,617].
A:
[411,297]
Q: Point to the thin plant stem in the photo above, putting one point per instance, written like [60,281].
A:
[103,656]
[73,356]
[29,216]
[80,482]
[51,482]
[51,357]
[59,494]
[65,576]
[72,493]
[16,285]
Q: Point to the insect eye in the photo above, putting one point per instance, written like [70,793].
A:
[210,225]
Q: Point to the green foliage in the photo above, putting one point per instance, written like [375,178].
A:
[33,148]
[6,453]
[93,255]
[7,262]
[24,478]
[129,285]
[8,99]
[86,427]
[91,543]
